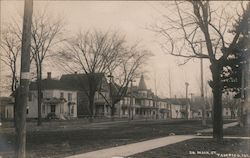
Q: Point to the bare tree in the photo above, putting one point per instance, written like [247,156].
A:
[11,47]
[46,33]
[128,69]
[45,36]
[182,33]
[93,52]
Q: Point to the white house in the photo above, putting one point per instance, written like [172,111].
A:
[179,108]
[58,99]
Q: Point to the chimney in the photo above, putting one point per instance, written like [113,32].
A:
[48,75]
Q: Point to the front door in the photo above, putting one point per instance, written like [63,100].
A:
[52,108]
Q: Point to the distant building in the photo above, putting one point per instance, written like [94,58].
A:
[58,99]
[179,107]
[6,108]
[164,108]
[140,101]
[143,103]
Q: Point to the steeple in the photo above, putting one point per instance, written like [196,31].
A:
[142,84]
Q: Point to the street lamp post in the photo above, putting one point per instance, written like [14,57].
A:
[186,84]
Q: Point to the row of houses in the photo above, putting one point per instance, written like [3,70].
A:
[67,98]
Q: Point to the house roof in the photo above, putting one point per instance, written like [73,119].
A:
[177,101]
[142,84]
[49,84]
[81,81]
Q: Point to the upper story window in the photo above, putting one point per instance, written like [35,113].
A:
[61,95]
[69,96]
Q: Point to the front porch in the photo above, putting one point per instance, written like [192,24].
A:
[58,108]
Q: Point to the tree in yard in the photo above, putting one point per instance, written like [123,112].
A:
[11,47]
[96,52]
[128,69]
[234,74]
[46,34]
[202,23]
[93,53]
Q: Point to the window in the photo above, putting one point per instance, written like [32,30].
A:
[69,97]
[43,108]
[30,96]
[27,111]
[61,95]
[53,108]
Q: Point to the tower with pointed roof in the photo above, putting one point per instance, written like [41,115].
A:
[142,84]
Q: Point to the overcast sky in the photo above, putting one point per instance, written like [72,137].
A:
[129,18]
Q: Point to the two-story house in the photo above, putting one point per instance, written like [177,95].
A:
[80,82]
[58,99]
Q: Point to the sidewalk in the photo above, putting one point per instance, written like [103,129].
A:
[134,148]
[131,149]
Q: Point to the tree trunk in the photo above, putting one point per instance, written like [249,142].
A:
[217,103]
[15,110]
[91,106]
[113,112]
[39,93]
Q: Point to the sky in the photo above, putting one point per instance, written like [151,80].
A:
[131,18]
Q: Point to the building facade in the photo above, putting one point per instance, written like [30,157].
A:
[59,100]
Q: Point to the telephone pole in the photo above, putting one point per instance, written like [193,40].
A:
[186,84]
[24,80]
[131,107]
[169,83]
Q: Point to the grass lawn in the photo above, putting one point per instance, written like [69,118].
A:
[186,148]
[57,140]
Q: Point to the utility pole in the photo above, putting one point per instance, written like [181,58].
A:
[0,55]
[169,83]
[155,100]
[24,80]
[131,109]
[186,84]
[202,92]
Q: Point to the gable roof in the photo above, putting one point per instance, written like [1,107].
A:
[49,84]
[177,101]
[81,81]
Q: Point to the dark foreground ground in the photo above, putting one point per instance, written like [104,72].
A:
[205,148]
[201,148]
[59,139]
